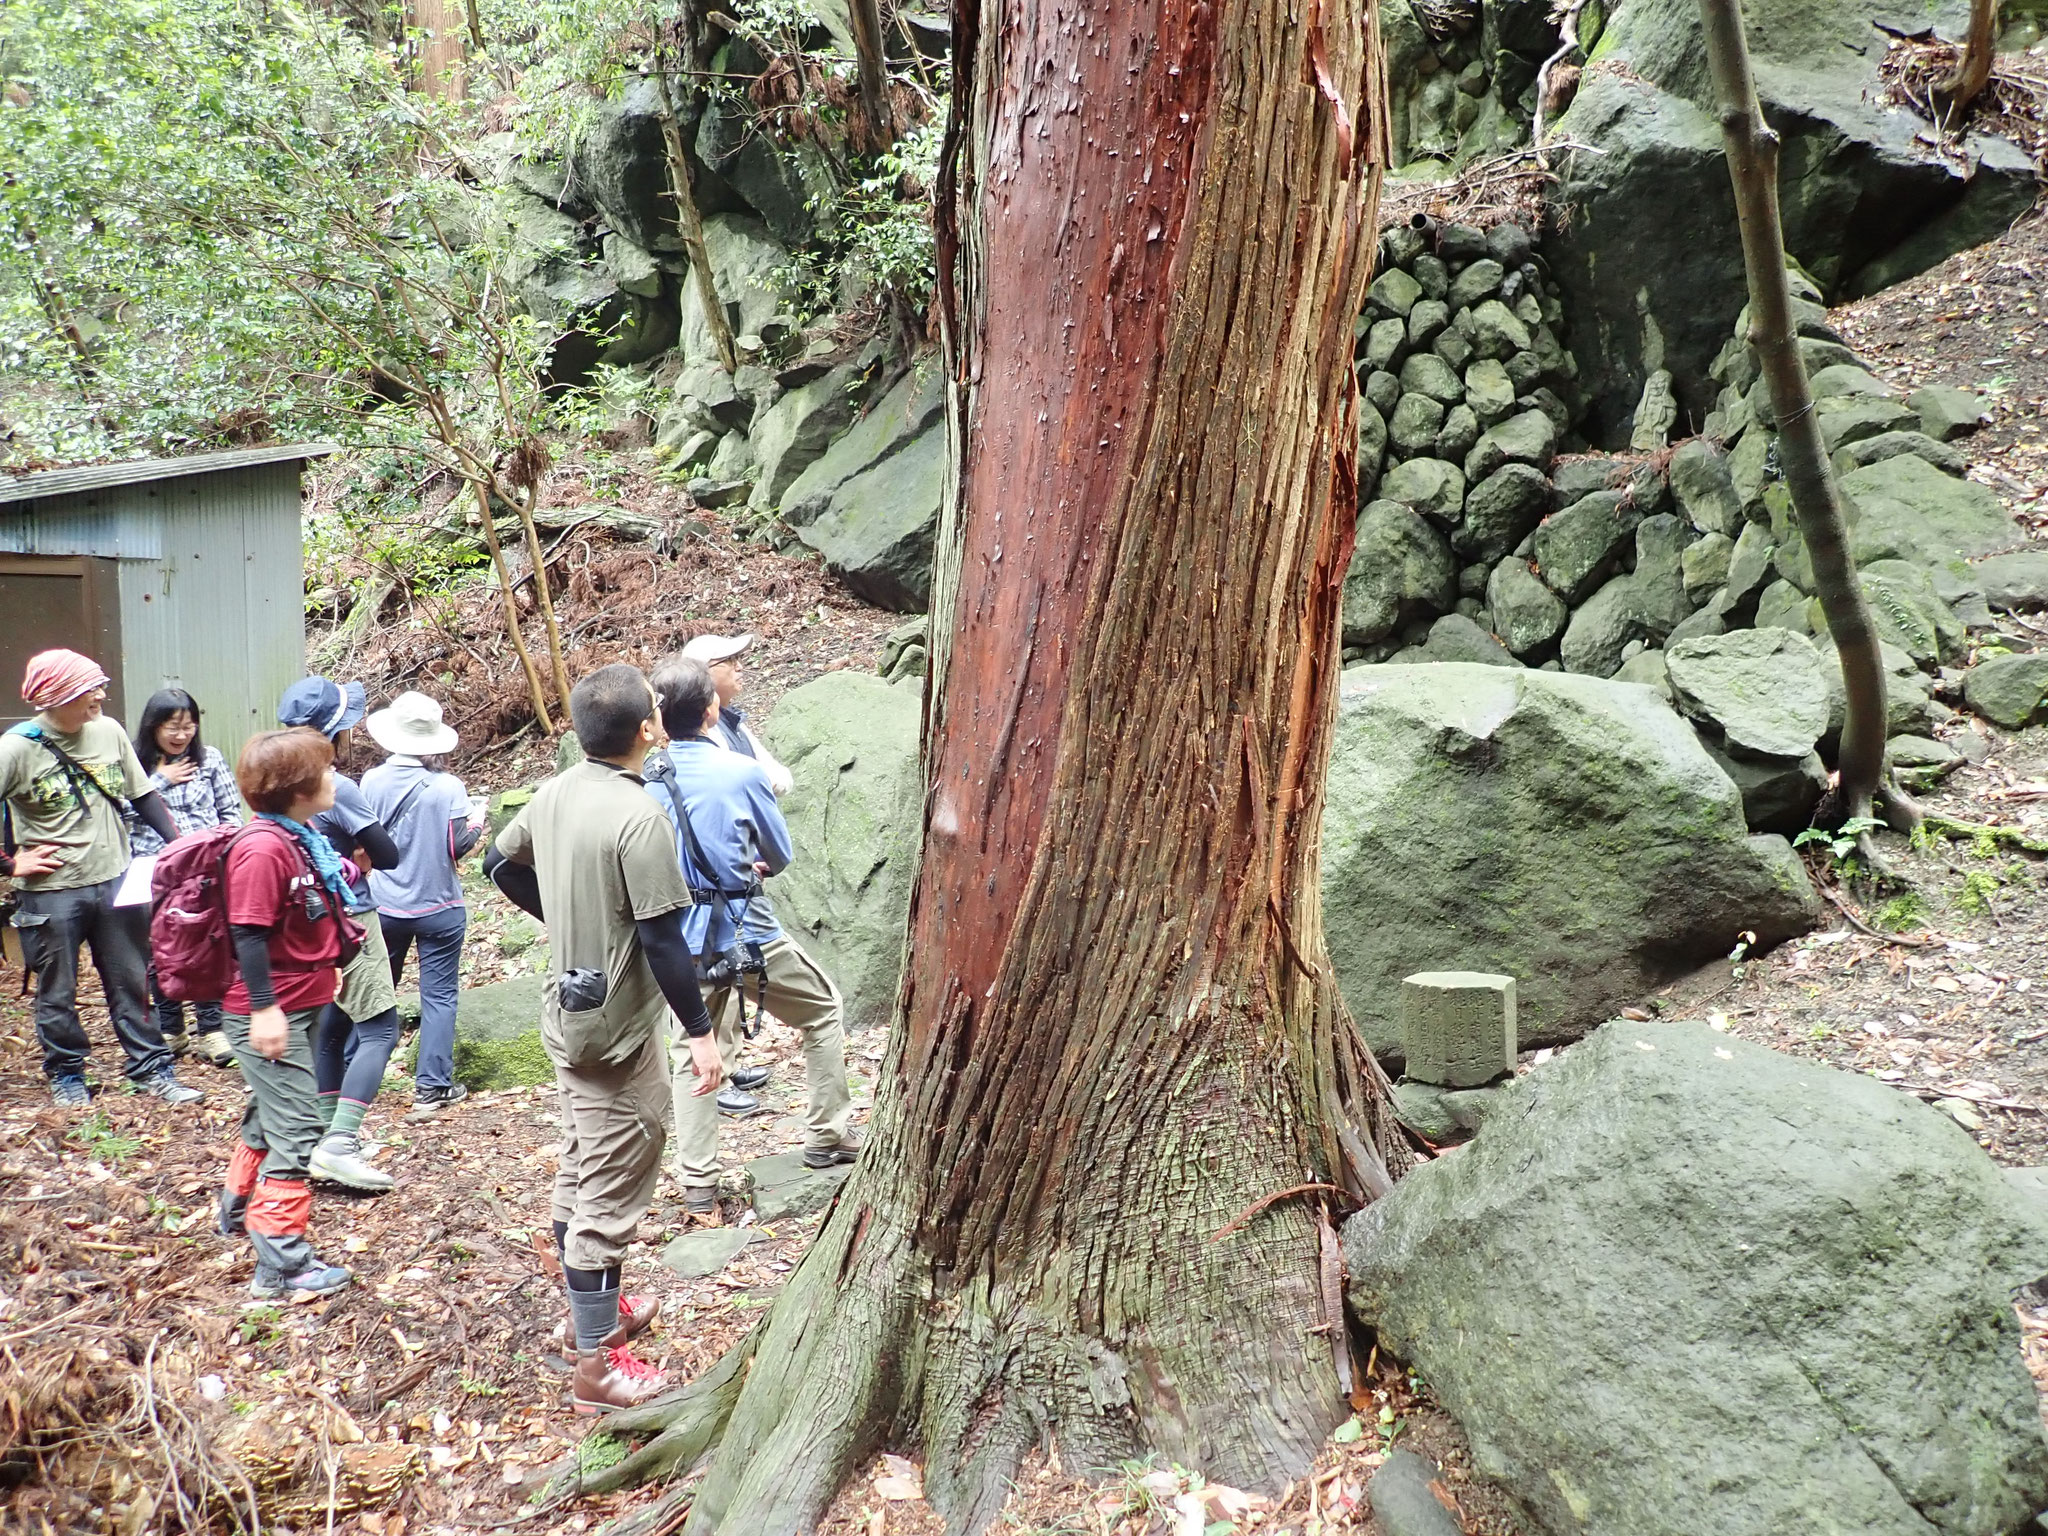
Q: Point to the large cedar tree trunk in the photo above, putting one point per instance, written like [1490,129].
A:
[1118,1028]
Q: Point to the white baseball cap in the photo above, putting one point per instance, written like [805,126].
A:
[712,649]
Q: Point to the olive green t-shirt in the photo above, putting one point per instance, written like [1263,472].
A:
[605,858]
[49,806]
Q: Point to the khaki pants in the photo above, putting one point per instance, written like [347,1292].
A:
[614,1122]
[366,985]
[801,996]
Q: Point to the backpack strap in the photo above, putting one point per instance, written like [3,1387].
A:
[74,770]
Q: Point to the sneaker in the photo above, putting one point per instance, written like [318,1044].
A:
[339,1160]
[737,1104]
[233,1220]
[70,1092]
[213,1048]
[431,1101]
[613,1378]
[827,1157]
[316,1279]
[747,1079]
[165,1085]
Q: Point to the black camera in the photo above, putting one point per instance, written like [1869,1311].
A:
[731,963]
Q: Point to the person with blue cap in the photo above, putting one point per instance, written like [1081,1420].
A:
[358,1030]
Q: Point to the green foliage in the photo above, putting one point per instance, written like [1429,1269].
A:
[1840,842]
[1979,886]
[1906,910]
[598,1450]
[102,1142]
[226,220]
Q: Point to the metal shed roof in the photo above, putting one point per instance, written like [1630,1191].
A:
[93,477]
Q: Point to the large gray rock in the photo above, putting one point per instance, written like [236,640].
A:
[2011,691]
[1577,548]
[1681,1285]
[785,183]
[2017,583]
[1906,509]
[497,1036]
[1528,438]
[1649,259]
[1401,570]
[793,433]
[745,262]
[1567,831]
[1604,626]
[888,426]
[1889,445]
[1500,511]
[851,742]
[876,531]
[1778,794]
[1457,638]
[1430,486]
[620,168]
[1527,615]
[1704,488]
[1762,688]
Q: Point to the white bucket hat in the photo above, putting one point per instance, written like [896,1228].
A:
[411,723]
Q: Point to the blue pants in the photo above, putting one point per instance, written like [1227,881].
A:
[170,1016]
[440,939]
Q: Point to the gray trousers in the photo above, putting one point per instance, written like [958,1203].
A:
[53,925]
[282,1117]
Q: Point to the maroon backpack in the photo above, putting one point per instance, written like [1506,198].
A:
[189,942]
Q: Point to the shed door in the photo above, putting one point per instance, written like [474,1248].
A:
[57,600]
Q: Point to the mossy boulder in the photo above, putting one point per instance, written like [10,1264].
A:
[497,1036]
[1682,1285]
[851,743]
[1568,831]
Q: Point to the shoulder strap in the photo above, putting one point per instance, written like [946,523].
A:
[73,769]
[391,822]
[675,798]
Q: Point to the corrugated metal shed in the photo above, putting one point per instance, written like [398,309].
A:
[207,578]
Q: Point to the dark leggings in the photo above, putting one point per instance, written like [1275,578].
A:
[350,1057]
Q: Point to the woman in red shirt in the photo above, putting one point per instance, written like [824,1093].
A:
[285,895]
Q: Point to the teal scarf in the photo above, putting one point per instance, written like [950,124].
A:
[319,852]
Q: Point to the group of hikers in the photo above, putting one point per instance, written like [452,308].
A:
[644,862]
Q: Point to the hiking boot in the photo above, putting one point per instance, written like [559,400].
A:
[165,1085]
[431,1101]
[234,1213]
[213,1048]
[828,1157]
[737,1104]
[612,1376]
[316,1279]
[70,1091]
[747,1079]
[177,1042]
[339,1160]
[701,1202]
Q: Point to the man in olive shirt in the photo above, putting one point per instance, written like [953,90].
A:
[594,858]
[63,778]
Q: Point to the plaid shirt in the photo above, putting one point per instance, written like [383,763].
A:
[207,799]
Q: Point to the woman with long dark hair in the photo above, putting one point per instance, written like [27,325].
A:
[199,791]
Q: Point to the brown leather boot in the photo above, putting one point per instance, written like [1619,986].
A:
[636,1316]
[613,1378]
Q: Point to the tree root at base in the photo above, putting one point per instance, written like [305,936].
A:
[1970,831]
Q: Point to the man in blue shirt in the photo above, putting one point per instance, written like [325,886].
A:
[735,825]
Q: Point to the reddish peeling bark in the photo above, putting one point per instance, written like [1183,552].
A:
[1118,1029]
